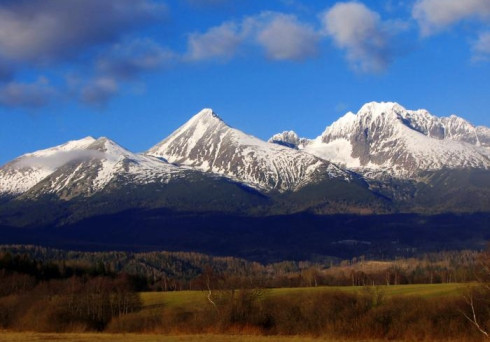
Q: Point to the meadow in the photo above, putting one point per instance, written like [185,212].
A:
[188,299]
[422,312]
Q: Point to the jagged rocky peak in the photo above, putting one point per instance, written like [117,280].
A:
[381,108]
[386,136]
[207,113]
[375,119]
[289,139]
[205,117]
[191,138]
[206,143]
[387,115]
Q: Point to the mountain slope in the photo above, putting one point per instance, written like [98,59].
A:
[80,167]
[108,162]
[105,178]
[387,139]
[206,143]
[24,172]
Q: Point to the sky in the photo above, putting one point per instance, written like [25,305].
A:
[135,70]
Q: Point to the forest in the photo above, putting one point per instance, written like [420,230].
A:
[44,290]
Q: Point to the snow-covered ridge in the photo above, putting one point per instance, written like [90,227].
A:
[389,138]
[86,164]
[208,144]
[382,138]
[24,172]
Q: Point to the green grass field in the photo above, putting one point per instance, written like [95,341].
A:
[196,298]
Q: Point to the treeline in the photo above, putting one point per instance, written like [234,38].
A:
[343,316]
[171,271]
[234,306]
[40,296]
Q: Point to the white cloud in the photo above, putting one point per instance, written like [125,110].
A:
[481,48]
[50,30]
[363,35]
[100,90]
[436,15]
[126,61]
[285,38]
[218,42]
[27,95]
[61,158]
[42,34]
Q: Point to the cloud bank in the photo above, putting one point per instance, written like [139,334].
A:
[43,34]
[27,95]
[103,43]
[281,36]
[361,33]
[218,42]
[50,30]
[436,15]
[284,37]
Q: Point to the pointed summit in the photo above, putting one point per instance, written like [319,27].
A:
[206,143]
[187,139]
[207,113]
[206,117]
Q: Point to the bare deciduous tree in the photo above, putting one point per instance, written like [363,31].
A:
[477,298]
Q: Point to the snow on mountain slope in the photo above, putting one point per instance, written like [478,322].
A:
[108,162]
[206,143]
[23,173]
[483,134]
[80,167]
[386,137]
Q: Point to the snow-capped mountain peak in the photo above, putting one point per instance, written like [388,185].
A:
[207,143]
[29,169]
[206,117]
[79,167]
[387,137]
[381,108]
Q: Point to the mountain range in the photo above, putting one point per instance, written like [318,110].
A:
[382,145]
[383,160]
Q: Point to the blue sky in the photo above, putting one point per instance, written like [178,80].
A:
[135,70]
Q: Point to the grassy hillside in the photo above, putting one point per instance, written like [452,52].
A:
[189,299]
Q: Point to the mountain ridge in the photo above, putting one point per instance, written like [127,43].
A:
[205,165]
[387,138]
[207,143]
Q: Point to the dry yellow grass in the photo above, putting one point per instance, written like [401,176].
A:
[92,337]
